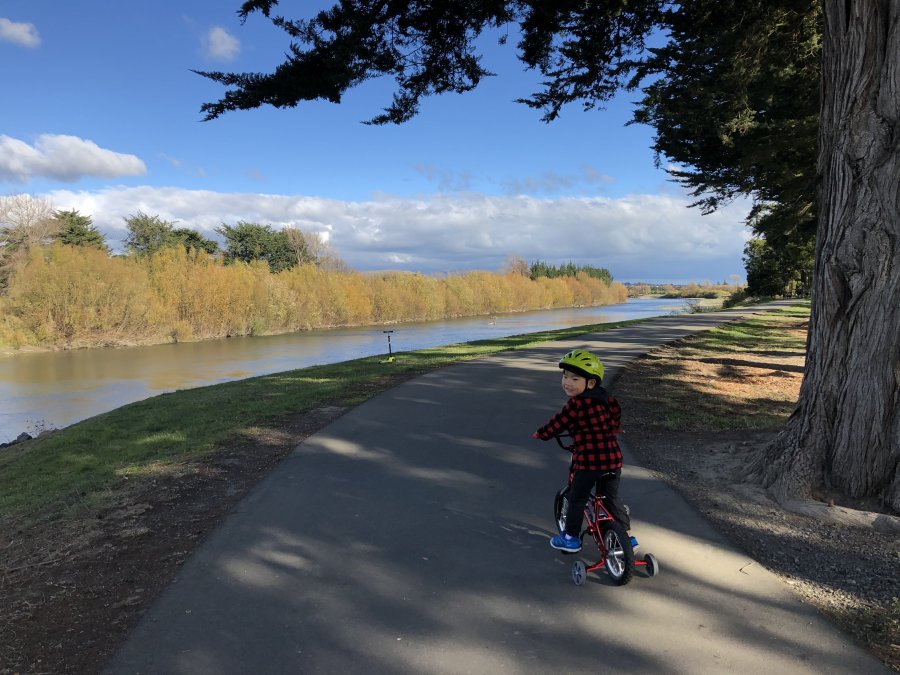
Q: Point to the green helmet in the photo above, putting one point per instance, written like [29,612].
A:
[582,363]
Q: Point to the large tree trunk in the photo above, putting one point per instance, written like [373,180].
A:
[845,432]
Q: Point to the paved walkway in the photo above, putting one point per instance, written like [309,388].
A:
[411,536]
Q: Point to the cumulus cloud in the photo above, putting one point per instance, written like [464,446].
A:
[64,158]
[220,45]
[24,34]
[639,237]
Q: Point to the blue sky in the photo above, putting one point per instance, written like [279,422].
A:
[101,114]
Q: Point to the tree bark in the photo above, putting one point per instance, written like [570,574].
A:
[845,431]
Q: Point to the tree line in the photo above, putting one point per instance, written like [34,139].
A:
[63,288]
[539,269]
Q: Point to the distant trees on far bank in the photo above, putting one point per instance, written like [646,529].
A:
[693,289]
[540,269]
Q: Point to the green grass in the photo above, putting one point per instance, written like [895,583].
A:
[83,465]
[756,335]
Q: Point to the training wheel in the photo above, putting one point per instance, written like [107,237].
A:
[578,572]
[652,564]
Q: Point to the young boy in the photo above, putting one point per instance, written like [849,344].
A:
[592,417]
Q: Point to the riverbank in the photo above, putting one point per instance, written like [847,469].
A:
[41,391]
[692,304]
[81,467]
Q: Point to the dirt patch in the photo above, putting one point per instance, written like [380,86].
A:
[848,573]
[70,594]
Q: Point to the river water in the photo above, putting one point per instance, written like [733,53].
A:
[50,390]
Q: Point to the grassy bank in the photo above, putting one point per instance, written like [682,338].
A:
[84,465]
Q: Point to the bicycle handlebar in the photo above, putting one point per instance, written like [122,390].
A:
[559,439]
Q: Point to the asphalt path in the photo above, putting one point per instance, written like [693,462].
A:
[411,536]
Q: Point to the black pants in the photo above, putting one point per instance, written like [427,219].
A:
[607,484]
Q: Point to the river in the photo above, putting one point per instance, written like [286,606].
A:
[50,390]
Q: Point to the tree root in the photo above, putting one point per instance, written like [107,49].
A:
[840,515]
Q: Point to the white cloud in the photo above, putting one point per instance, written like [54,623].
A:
[649,237]
[24,34]
[220,45]
[64,158]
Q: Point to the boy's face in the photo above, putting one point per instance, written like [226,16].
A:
[574,384]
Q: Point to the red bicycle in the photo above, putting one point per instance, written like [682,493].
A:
[613,542]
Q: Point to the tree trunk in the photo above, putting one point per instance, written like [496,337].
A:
[845,431]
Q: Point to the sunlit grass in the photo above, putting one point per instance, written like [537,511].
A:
[149,470]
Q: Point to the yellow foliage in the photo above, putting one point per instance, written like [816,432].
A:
[12,331]
[68,296]
[79,296]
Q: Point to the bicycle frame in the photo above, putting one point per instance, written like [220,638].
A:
[612,540]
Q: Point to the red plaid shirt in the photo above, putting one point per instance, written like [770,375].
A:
[593,420]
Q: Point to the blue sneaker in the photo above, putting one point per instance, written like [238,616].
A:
[634,542]
[565,543]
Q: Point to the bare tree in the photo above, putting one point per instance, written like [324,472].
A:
[25,221]
[298,243]
[322,252]
[516,265]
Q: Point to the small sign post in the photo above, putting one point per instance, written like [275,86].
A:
[390,358]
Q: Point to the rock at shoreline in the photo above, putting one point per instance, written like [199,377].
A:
[21,438]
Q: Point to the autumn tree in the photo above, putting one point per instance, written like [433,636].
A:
[75,229]
[516,265]
[845,431]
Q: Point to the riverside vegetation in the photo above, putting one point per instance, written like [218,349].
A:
[76,296]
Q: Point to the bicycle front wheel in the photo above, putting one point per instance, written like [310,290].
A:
[619,554]
[560,508]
